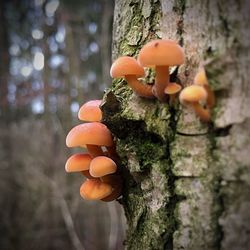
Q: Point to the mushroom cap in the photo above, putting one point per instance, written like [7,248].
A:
[94,133]
[193,94]
[101,166]
[90,111]
[126,65]
[95,189]
[78,162]
[162,53]
[172,88]
[201,78]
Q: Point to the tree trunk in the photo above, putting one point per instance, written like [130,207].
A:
[187,184]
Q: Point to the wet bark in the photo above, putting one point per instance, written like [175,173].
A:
[187,184]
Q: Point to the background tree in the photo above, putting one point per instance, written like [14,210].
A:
[187,183]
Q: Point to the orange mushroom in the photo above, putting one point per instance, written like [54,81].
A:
[78,162]
[161,54]
[95,189]
[201,80]
[90,111]
[193,96]
[116,182]
[93,135]
[172,89]
[127,67]
[101,166]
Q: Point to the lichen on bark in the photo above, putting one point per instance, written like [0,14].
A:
[186,183]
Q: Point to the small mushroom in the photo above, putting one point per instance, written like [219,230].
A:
[101,166]
[172,89]
[90,111]
[127,67]
[161,54]
[201,80]
[116,182]
[93,135]
[193,96]
[95,189]
[78,162]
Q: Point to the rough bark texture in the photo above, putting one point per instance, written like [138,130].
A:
[185,191]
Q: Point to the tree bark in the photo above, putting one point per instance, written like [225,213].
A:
[187,184]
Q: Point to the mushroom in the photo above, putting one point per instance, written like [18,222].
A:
[116,182]
[193,96]
[172,89]
[90,111]
[93,135]
[201,80]
[95,189]
[78,162]
[161,54]
[127,67]
[101,166]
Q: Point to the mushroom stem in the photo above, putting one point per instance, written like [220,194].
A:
[210,97]
[204,114]
[112,152]
[172,99]
[94,150]
[161,81]
[140,89]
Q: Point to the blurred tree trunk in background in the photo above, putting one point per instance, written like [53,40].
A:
[185,191]
[5,61]
[105,41]
[8,205]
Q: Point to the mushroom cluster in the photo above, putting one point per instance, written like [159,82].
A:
[160,55]
[199,96]
[99,165]
[157,54]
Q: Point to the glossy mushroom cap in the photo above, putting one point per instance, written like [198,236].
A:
[126,65]
[101,166]
[193,94]
[95,189]
[201,78]
[94,133]
[161,53]
[78,162]
[90,111]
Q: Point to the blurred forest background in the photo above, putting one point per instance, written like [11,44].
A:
[54,56]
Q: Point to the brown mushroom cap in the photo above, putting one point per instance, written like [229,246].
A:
[94,133]
[192,94]
[90,111]
[95,189]
[162,53]
[78,162]
[126,65]
[101,166]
